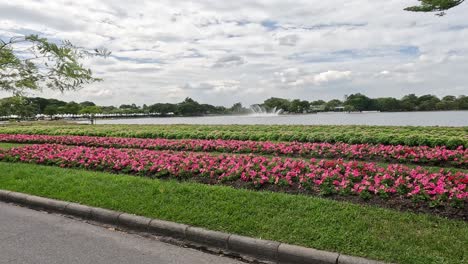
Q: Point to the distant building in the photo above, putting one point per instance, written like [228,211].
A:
[339,108]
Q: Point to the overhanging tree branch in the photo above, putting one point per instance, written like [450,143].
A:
[439,6]
[44,64]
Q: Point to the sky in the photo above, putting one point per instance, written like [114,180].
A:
[223,52]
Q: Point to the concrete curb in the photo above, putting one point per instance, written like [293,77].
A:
[258,249]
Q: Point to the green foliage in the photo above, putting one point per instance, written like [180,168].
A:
[279,103]
[19,106]
[451,137]
[439,6]
[43,63]
[358,102]
[190,107]
[90,110]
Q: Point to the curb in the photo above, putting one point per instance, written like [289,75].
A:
[258,249]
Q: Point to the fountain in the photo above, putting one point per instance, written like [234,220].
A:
[258,110]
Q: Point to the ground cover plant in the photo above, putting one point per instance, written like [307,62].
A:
[440,156]
[324,177]
[366,231]
[373,167]
[450,137]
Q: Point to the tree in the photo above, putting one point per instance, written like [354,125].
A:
[462,102]
[387,104]
[237,108]
[331,105]
[51,110]
[427,102]
[189,107]
[439,6]
[91,110]
[72,108]
[162,109]
[409,102]
[30,62]
[19,106]
[298,106]
[358,102]
[128,106]
[278,103]
[87,103]
[448,102]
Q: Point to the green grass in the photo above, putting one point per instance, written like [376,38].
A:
[309,221]
[11,145]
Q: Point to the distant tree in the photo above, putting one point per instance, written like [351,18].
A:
[211,109]
[31,63]
[358,102]
[19,106]
[162,109]
[447,103]
[51,110]
[462,102]
[318,102]
[332,104]
[387,104]
[237,108]
[189,107]
[91,110]
[409,102]
[128,106]
[298,106]
[109,109]
[87,103]
[72,108]
[439,6]
[279,103]
[221,110]
[427,102]
[41,103]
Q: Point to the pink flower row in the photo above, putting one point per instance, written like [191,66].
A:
[324,176]
[419,154]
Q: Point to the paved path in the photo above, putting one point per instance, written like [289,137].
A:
[33,237]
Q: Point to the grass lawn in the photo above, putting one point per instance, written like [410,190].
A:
[11,145]
[309,221]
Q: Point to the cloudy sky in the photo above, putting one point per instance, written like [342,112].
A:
[222,52]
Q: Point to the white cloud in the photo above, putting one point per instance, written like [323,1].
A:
[216,86]
[248,50]
[331,76]
[229,61]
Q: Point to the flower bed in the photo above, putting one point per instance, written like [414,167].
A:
[440,156]
[325,177]
[451,137]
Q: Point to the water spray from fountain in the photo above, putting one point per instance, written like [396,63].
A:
[259,110]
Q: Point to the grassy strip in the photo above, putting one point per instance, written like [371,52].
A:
[11,145]
[314,222]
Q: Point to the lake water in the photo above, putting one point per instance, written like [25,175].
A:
[446,118]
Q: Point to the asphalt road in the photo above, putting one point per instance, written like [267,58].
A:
[34,237]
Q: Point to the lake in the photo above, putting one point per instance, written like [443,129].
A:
[439,118]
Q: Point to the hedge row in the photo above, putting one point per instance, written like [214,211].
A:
[450,137]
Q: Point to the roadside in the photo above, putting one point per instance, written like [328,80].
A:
[34,237]
[365,231]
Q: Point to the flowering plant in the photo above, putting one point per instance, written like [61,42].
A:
[365,179]
[440,156]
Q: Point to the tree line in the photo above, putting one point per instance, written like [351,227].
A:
[29,107]
[359,102]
